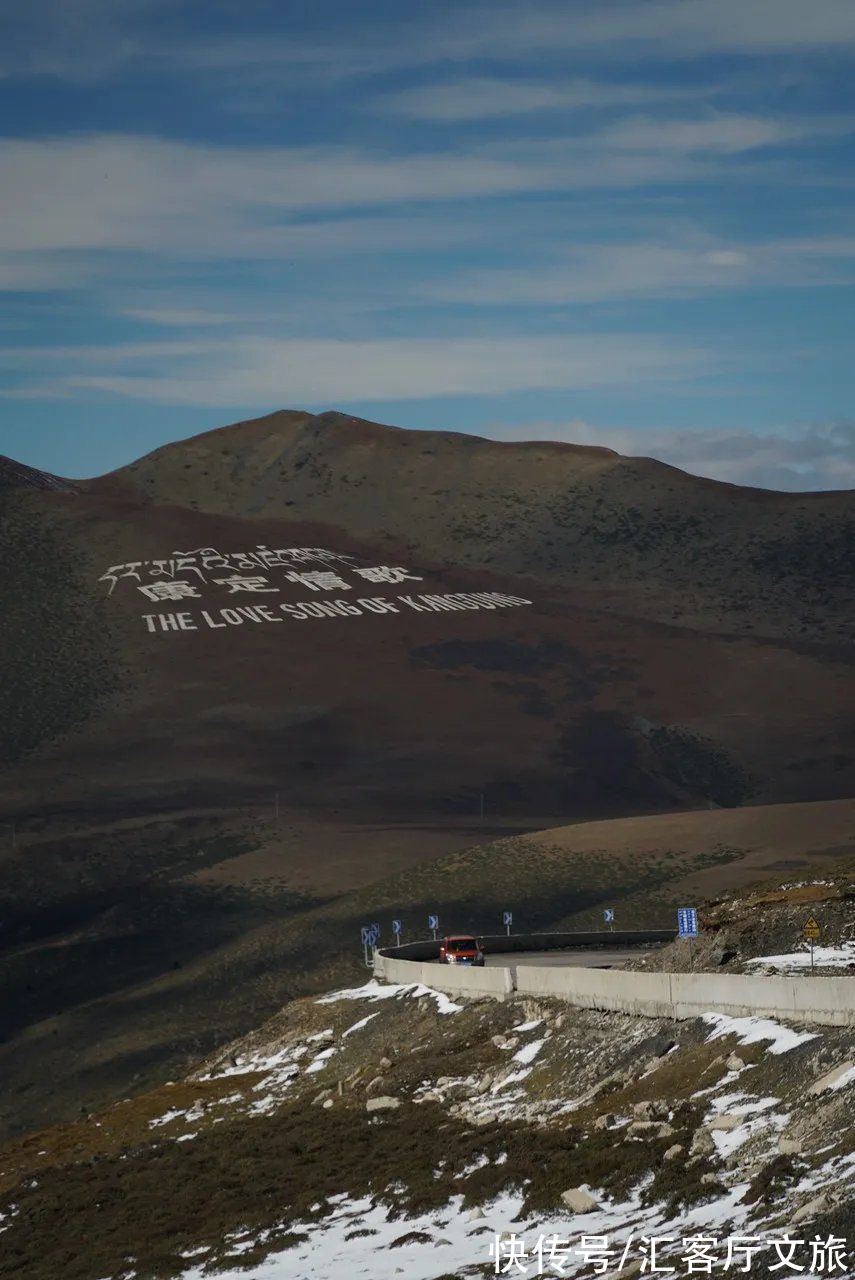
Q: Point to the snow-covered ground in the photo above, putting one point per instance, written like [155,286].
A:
[529,1051]
[799,961]
[752,1030]
[364,1240]
[374,990]
[359,1240]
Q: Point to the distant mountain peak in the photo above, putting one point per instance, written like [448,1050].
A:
[15,475]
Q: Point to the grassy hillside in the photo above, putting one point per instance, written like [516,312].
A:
[168,974]
[59,663]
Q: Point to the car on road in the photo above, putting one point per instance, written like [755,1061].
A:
[461,948]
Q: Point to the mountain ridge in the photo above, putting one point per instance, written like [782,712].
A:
[17,475]
[632,535]
[370,430]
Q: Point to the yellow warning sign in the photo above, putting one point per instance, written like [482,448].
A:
[811,929]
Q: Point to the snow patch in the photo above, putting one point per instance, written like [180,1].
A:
[375,990]
[318,1063]
[753,1030]
[357,1026]
[528,1052]
[166,1118]
[799,961]
[844,1080]
[513,1078]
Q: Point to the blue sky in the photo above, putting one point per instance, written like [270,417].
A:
[626,222]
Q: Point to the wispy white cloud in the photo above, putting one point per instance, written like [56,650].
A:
[117,353]
[80,43]
[573,30]
[138,194]
[492,97]
[350,226]
[133,193]
[172,317]
[26,272]
[258,372]
[701,264]
[668,28]
[95,39]
[818,456]
[719,132]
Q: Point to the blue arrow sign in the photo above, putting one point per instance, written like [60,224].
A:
[433,922]
[609,915]
[508,917]
[396,928]
[366,933]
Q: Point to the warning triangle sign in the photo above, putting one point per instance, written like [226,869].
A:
[811,928]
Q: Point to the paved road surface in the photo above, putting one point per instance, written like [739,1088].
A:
[597,958]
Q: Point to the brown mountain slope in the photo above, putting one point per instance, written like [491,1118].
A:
[549,707]
[633,534]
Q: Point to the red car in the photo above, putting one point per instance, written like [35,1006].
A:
[460,948]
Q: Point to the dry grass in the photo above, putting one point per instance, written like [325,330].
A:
[88,1217]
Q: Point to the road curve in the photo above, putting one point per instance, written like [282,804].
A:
[593,958]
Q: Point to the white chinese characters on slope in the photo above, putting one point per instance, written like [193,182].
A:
[315,580]
[263,573]
[207,560]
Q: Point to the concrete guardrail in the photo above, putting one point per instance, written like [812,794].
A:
[824,1001]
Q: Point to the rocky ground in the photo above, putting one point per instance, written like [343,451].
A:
[384,1130]
[761,930]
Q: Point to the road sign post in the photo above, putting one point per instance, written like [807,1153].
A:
[811,932]
[370,934]
[433,925]
[687,927]
[397,930]
[507,921]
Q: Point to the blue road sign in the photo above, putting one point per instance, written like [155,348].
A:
[609,915]
[433,922]
[396,928]
[687,922]
[366,932]
[508,917]
[376,929]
